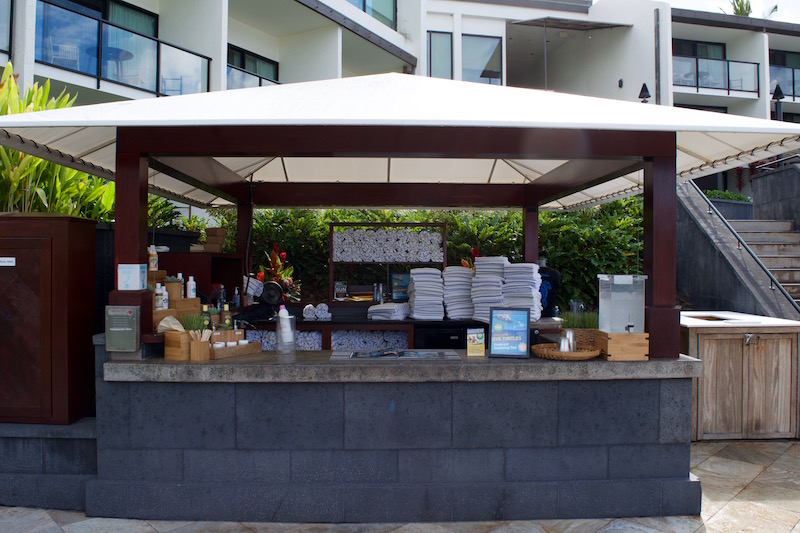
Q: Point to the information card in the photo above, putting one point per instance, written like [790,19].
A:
[509,332]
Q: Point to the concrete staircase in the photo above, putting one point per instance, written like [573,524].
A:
[777,245]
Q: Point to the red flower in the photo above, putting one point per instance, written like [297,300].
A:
[475,252]
[260,277]
[283,256]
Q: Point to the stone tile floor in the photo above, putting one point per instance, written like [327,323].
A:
[747,486]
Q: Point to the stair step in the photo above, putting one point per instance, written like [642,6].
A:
[793,289]
[786,275]
[762,225]
[773,261]
[769,236]
[775,248]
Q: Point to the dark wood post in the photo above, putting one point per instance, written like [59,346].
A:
[130,227]
[530,229]
[662,315]
[244,218]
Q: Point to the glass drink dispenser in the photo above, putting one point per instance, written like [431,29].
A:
[621,303]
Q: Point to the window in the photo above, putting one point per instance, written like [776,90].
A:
[440,55]
[703,50]
[5,25]
[384,11]
[250,62]
[124,15]
[482,59]
[780,58]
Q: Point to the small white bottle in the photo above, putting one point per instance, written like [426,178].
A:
[164,298]
[158,298]
[191,288]
[286,337]
[152,258]
[183,285]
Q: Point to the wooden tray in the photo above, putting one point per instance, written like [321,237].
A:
[233,351]
[550,351]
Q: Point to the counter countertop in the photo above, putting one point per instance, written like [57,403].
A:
[316,367]
[731,319]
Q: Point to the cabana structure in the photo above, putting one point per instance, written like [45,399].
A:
[313,441]
[399,140]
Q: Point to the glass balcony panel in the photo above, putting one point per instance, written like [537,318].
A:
[481,60]
[743,76]
[684,71]
[66,39]
[129,58]
[712,73]
[796,83]
[182,72]
[5,25]
[383,11]
[782,76]
[239,79]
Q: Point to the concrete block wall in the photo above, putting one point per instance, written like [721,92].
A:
[47,466]
[386,452]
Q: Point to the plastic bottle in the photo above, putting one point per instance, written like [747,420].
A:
[191,288]
[374,292]
[183,284]
[225,316]
[222,296]
[287,335]
[164,298]
[158,297]
[237,301]
[206,316]
[152,258]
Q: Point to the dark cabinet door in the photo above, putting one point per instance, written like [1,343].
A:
[25,320]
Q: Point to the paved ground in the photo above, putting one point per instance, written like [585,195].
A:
[747,486]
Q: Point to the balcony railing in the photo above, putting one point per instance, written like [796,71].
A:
[788,78]
[105,51]
[715,74]
[241,79]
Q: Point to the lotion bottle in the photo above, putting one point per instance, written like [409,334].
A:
[287,335]
[191,288]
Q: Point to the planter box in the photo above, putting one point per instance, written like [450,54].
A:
[733,209]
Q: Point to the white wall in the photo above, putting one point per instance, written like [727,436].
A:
[752,47]
[200,26]
[23,39]
[313,55]
[253,40]
[410,24]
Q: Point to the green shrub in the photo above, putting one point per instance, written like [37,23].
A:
[727,195]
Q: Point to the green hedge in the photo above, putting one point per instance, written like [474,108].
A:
[579,244]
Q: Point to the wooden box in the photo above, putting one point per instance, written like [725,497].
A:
[199,351]
[156,276]
[233,351]
[216,232]
[174,291]
[623,346]
[176,345]
[215,239]
[214,248]
[161,314]
[218,336]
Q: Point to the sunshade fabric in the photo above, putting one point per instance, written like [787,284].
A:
[84,137]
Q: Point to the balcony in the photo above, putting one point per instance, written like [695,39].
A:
[105,51]
[241,79]
[788,78]
[718,74]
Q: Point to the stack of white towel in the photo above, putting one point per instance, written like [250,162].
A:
[426,294]
[458,292]
[320,312]
[521,287]
[487,285]
[382,245]
[388,311]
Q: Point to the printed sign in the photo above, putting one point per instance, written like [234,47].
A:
[8,261]
[509,331]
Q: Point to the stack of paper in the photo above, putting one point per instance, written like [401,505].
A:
[521,288]
[426,294]
[388,311]
[487,292]
[491,266]
[458,292]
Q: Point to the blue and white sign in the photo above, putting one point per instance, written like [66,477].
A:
[509,331]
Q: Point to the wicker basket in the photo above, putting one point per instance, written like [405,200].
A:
[551,351]
[584,336]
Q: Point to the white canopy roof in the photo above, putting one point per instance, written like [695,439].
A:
[85,137]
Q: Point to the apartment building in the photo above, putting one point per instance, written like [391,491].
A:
[114,49]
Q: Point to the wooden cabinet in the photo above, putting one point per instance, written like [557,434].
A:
[748,389]
[46,318]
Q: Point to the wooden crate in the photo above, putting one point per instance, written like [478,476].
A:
[233,351]
[176,345]
[623,346]
[174,291]
[215,239]
[214,248]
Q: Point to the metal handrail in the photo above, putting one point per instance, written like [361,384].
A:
[773,282]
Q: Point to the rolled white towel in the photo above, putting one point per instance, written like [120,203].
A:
[309,313]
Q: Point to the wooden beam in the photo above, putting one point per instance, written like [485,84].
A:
[662,315]
[530,230]
[437,195]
